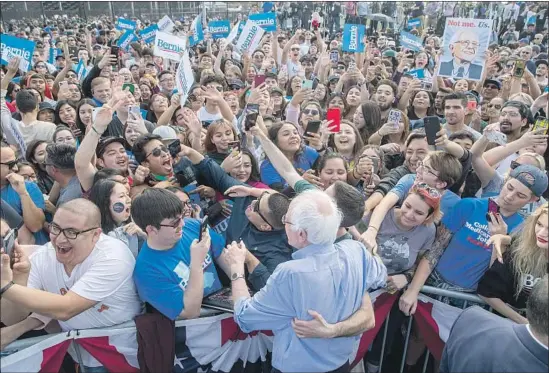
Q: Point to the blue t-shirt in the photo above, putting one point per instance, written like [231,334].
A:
[304,162]
[467,256]
[161,276]
[402,188]
[12,198]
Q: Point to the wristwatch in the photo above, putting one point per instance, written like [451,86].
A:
[235,276]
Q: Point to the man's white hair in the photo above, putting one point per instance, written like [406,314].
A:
[317,214]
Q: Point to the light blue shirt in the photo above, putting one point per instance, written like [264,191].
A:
[327,280]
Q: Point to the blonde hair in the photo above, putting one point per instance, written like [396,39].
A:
[525,98]
[539,160]
[526,257]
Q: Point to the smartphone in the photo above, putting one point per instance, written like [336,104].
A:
[174,148]
[472,105]
[519,69]
[334,115]
[134,111]
[63,83]
[334,55]
[115,50]
[493,208]
[95,110]
[259,79]
[203,228]
[432,127]
[307,84]
[234,146]
[9,241]
[313,126]
[541,124]
[395,117]
[375,166]
[73,51]
[252,111]
[427,86]
[130,86]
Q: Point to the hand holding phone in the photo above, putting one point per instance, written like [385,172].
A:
[542,124]
[252,112]
[313,126]
[8,242]
[519,68]
[493,208]
[432,127]
[203,228]
[334,115]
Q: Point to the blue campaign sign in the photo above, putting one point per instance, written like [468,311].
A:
[149,34]
[198,35]
[54,52]
[219,29]
[12,46]
[125,24]
[126,39]
[414,23]
[81,70]
[417,73]
[410,41]
[267,21]
[352,38]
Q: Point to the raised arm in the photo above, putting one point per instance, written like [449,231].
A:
[484,171]
[288,45]
[498,154]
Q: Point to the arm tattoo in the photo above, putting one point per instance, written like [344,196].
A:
[442,239]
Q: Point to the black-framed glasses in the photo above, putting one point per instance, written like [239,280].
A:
[69,233]
[175,224]
[514,164]
[311,112]
[341,67]
[427,169]
[157,152]
[71,76]
[10,164]
[256,209]
[498,107]
[295,49]
[284,221]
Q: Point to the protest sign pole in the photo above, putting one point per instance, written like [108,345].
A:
[112,11]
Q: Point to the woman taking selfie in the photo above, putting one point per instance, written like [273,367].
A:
[507,284]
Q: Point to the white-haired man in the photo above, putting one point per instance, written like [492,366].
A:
[464,49]
[311,225]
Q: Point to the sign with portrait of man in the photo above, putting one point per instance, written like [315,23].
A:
[465,44]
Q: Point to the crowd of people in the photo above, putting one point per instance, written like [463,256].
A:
[107,178]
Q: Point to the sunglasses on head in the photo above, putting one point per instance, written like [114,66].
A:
[157,152]
[432,192]
[514,164]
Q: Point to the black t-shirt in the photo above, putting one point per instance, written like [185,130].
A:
[500,281]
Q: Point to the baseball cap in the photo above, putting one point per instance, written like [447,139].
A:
[542,62]
[497,83]
[333,77]
[106,141]
[235,84]
[532,177]
[167,133]
[391,43]
[45,106]
[277,90]
[59,56]
[524,40]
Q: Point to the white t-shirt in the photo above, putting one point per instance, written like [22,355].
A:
[205,116]
[292,68]
[105,276]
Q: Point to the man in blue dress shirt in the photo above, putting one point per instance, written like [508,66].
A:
[316,279]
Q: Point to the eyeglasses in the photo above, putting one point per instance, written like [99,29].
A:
[170,80]
[514,164]
[510,114]
[10,164]
[311,112]
[296,49]
[71,76]
[157,152]
[69,233]
[284,221]
[175,224]
[428,169]
[340,67]
[498,107]
[187,204]
[256,209]
[490,86]
[468,43]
